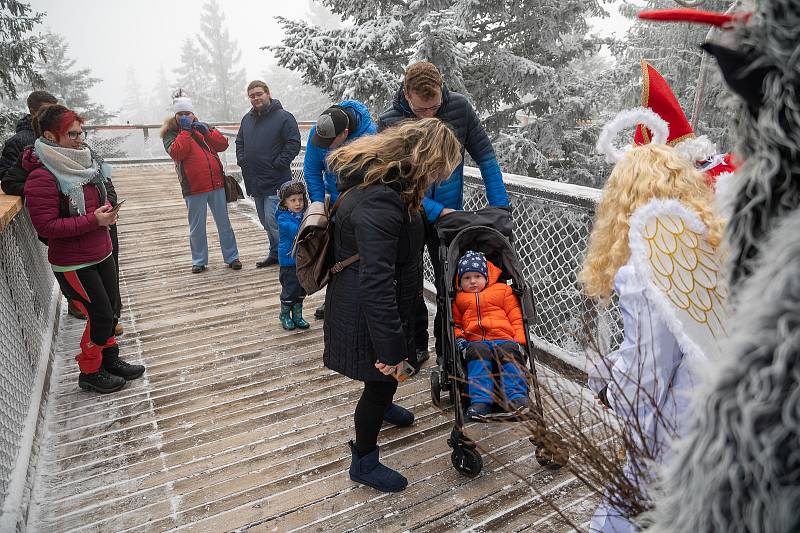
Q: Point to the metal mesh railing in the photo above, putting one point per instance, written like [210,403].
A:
[26,300]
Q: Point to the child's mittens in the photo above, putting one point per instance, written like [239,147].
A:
[462,343]
[202,127]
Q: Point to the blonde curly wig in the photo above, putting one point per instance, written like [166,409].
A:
[644,173]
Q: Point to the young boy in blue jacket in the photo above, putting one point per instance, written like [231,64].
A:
[292,207]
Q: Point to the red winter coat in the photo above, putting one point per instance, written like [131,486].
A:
[71,240]
[493,314]
[195,155]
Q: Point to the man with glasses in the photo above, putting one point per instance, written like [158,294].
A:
[267,143]
[424,95]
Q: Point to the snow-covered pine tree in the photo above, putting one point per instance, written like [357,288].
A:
[508,57]
[224,81]
[19,50]
[192,78]
[69,84]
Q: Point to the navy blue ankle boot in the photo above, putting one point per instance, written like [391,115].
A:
[398,416]
[368,470]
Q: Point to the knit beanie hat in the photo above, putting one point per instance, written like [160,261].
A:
[293,187]
[182,103]
[473,262]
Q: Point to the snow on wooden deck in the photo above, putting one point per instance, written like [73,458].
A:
[236,425]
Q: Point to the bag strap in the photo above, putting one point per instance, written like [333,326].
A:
[337,202]
[341,265]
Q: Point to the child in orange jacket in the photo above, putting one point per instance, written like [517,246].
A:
[489,327]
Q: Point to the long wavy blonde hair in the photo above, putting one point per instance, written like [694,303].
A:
[412,151]
[646,172]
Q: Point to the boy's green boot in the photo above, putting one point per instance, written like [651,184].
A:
[297,316]
[286,317]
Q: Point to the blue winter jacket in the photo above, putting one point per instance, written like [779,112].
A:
[459,114]
[288,224]
[266,145]
[318,179]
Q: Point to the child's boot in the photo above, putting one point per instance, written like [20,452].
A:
[297,316]
[286,317]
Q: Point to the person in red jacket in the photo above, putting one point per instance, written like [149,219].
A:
[489,328]
[193,145]
[67,199]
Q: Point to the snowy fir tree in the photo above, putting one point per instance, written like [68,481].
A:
[191,78]
[70,84]
[304,101]
[223,83]
[508,58]
[19,50]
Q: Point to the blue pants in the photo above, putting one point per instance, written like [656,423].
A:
[510,361]
[196,203]
[266,207]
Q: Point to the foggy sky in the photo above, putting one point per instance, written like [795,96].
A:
[112,36]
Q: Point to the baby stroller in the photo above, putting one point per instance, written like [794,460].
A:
[488,231]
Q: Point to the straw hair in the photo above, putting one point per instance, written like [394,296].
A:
[646,172]
[413,151]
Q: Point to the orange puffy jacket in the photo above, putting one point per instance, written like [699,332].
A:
[492,314]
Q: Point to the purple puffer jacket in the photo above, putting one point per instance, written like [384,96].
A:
[71,240]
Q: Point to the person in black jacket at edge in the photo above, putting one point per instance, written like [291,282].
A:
[13,176]
[423,94]
[371,303]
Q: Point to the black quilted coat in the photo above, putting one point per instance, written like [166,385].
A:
[369,306]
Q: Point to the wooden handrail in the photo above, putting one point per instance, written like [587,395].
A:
[9,207]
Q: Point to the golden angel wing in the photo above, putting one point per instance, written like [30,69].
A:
[684,269]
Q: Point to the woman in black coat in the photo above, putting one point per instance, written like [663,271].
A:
[369,325]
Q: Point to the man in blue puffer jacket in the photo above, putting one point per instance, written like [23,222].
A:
[267,143]
[424,95]
[337,125]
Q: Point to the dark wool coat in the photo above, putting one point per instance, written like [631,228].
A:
[267,143]
[370,305]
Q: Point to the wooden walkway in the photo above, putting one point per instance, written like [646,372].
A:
[236,424]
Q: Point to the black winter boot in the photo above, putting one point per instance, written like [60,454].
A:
[117,367]
[297,316]
[101,381]
[369,471]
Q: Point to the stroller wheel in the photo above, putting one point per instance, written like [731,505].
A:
[552,453]
[436,389]
[466,460]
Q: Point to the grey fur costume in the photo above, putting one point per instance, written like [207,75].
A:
[739,469]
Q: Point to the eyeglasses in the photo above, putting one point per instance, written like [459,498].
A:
[74,135]
[256,95]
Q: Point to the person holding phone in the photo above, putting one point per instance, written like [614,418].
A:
[369,329]
[67,195]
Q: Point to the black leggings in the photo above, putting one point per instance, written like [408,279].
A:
[375,400]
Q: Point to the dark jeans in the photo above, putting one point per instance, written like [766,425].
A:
[95,290]
[375,400]
[421,335]
[291,290]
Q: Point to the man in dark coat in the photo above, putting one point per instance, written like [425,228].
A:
[11,181]
[267,143]
[424,95]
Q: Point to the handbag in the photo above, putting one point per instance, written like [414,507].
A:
[233,191]
[313,247]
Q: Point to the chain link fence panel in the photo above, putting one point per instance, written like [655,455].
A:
[26,303]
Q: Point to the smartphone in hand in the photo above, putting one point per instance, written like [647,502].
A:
[115,209]
[404,371]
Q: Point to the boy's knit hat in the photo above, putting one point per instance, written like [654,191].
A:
[293,187]
[473,262]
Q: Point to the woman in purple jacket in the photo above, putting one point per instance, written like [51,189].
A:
[66,197]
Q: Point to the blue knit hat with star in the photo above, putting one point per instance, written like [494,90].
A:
[473,262]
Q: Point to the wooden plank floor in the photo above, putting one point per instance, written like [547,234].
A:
[236,424]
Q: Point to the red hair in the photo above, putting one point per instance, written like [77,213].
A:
[56,119]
